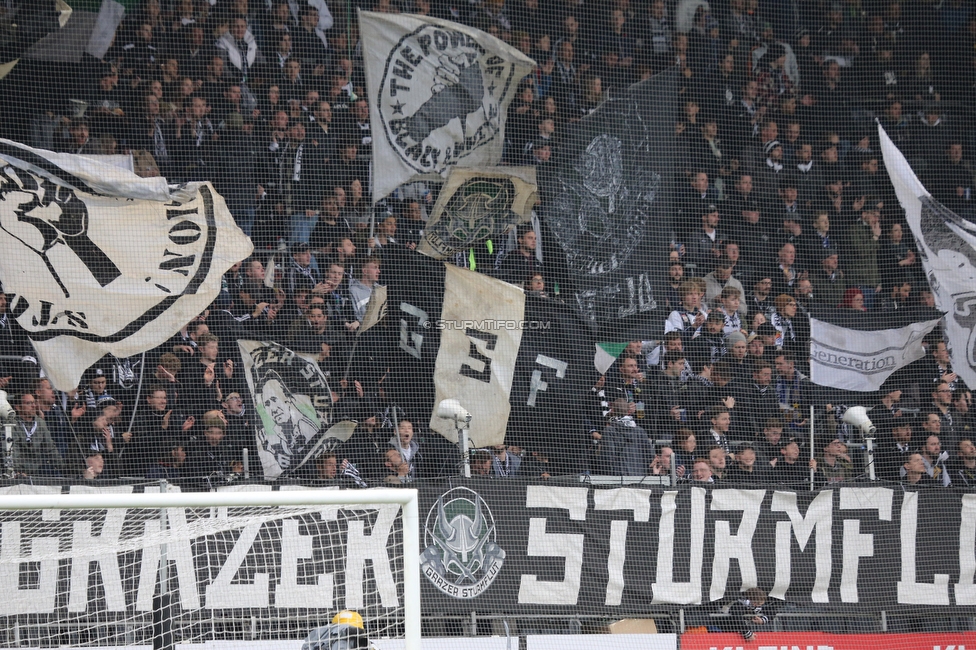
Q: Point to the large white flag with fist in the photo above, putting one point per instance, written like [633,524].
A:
[438,95]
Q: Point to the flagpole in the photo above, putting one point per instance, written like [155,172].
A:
[142,371]
[812,470]
[352,353]
[372,211]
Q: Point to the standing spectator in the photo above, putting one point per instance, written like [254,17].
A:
[770,444]
[942,406]
[565,79]
[33,450]
[210,460]
[625,449]
[504,463]
[790,470]
[914,472]
[964,469]
[721,419]
[361,289]
[522,262]
[240,49]
[702,471]
[794,390]
[705,244]
[689,318]
[890,455]
[59,419]
[717,460]
[746,468]
[863,243]
[951,180]
[835,465]
[829,283]
[196,140]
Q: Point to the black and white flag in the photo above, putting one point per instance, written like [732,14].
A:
[947,246]
[475,205]
[293,402]
[438,95]
[861,360]
[608,205]
[102,261]
[481,329]
[24,23]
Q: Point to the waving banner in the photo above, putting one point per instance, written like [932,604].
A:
[613,181]
[481,328]
[478,204]
[102,261]
[861,360]
[947,246]
[293,402]
[438,95]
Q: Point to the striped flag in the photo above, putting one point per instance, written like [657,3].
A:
[606,354]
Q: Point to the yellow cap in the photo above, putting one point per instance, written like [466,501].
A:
[348,617]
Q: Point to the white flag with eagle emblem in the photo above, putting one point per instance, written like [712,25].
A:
[438,96]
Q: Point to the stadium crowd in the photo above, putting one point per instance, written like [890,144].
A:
[782,204]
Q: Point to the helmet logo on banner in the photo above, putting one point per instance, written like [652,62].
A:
[441,97]
[461,558]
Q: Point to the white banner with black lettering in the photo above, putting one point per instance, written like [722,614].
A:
[947,246]
[861,360]
[481,329]
[101,261]
[438,95]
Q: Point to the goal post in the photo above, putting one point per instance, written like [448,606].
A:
[29,542]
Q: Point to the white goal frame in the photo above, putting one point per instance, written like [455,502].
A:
[407,499]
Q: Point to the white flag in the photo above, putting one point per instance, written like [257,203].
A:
[481,330]
[861,360]
[438,95]
[293,403]
[947,246]
[103,261]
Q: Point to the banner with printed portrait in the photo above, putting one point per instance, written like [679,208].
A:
[293,403]
[438,95]
[475,205]
[101,261]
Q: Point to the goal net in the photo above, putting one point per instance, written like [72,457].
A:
[236,568]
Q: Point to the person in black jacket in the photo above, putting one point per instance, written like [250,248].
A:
[791,471]
[891,453]
[209,459]
[745,613]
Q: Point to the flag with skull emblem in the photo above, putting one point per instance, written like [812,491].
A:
[607,208]
[100,261]
[438,96]
[478,204]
